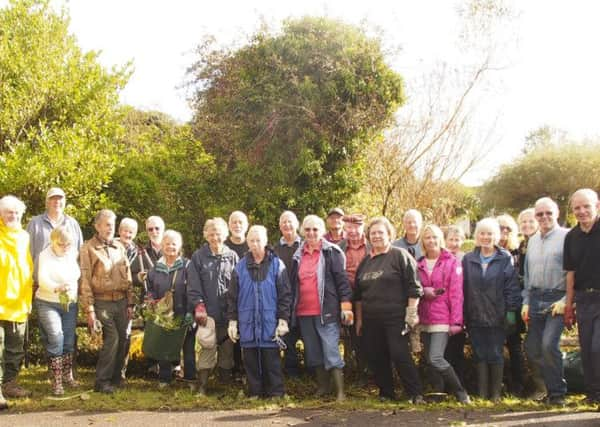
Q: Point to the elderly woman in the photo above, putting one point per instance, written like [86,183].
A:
[209,276]
[387,294]
[491,301]
[56,303]
[455,237]
[441,309]
[322,298]
[259,301]
[170,273]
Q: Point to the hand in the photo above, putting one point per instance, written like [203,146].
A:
[130,312]
[200,314]
[569,316]
[411,318]
[455,330]
[282,328]
[232,331]
[558,308]
[525,313]
[346,313]
[142,276]
[61,288]
[91,321]
[429,293]
[358,326]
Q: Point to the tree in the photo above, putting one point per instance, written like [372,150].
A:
[59,116]
[288,115]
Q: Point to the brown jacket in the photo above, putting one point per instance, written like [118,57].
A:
[105,273]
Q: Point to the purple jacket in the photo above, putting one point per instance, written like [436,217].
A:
[447,308]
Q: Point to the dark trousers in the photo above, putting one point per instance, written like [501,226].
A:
[386,345]
[588,318]
[514,343]
[455,354]
[263,371]
[290,358]
[113,316]
[12,353]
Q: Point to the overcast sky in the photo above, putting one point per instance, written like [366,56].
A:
[552,78]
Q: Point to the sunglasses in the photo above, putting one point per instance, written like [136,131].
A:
[153,228]
[541,214]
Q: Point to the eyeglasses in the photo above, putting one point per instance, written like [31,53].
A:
[541,214]
[311,229]
[153,228]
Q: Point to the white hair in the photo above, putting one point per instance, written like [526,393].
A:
[313,221]
[130,223]
[156,219]
[11,202]
[259,230]
[491,225]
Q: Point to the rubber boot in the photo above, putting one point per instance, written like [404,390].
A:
[496,373]
[67,371]
[338,380]
[3,402]
[323,382]
[453,383]
[539,385]
[56,372]
[482,380]
[202,381]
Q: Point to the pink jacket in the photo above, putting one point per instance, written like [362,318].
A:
[445,309]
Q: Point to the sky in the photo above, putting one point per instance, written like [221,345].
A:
[550,77]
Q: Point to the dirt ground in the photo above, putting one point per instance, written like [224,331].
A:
[302,417]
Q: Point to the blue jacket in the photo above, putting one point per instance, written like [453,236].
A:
[488,297]
[332,281]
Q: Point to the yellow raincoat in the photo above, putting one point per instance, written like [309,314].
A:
[16,274]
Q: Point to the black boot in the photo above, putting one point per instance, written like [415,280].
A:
[482,380]
[338,380]
[323,381]
[453,383]
[496,373]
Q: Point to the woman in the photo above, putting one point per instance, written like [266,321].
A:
[491,300]
[56,302]
[455,237]
[441,309]
[259,301]
[509,240]
[209,278]
[322,297]
[387,294]
[170,273]
[528,225]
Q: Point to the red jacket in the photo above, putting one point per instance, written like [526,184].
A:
[447,308]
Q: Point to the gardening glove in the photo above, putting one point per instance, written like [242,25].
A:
[558,308]
[188,319]
[142,276]
[511,318]
[429,293]
[455,330]
[200,314]
[232,331]
[411,318]
[282,328]
[569,316]
[346,313]
[525,313]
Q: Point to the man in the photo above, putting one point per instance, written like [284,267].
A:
[155,227]
[544,302]
[16,279]
[40,226]
[107,296]
[335,226]
[412,222]
[355,247]
[285,249]
[238,226]
[582,264]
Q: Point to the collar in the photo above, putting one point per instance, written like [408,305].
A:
[306,250]
[104,244]
[283,242]
[360,244]
[161,265]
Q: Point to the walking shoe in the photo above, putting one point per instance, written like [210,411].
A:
[556,401]
[537,395]
[12,389]
[162,385]
[104,388]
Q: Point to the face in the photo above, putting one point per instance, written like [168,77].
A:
[585,209]
[215,237]
[238,225]
[170,247]
[287,225]
[335,222]
[256,243]
[127,234]
[60,248]
[312,234]
[106,228]
[354,231]
[56,204]
[412,226]
[505,231]
[528,225]
[11,217]
[379,236]
[431,242]
[485,239]
[546,217]
[155,231]
[454,242]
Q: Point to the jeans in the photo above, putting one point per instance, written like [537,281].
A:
[543,339]
[435,345]
[12,340]
[487,344]
[588,318]
[321,343]
[57,327]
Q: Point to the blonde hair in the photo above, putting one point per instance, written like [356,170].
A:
[524,213]
[506,220]
[216,223]
[61,234]
[436,231]
[386,223]
[488,224]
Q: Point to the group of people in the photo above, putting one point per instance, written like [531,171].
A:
[344,278]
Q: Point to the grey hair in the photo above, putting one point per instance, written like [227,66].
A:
[292,215]
[173,235]
[129,222]
[488,224]
[218,223]
[260,230]
[10,201]
[104,213]
[414,213]
[547,201]
[315,221]
[157,219]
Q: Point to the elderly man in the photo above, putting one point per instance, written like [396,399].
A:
[40,226]
[544,301]
[238,226]
[155,227]
[286,247]
[582,263]
[412,222]
[107,297]
[335,226]
[16,270]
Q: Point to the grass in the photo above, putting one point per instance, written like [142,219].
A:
[143,394]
